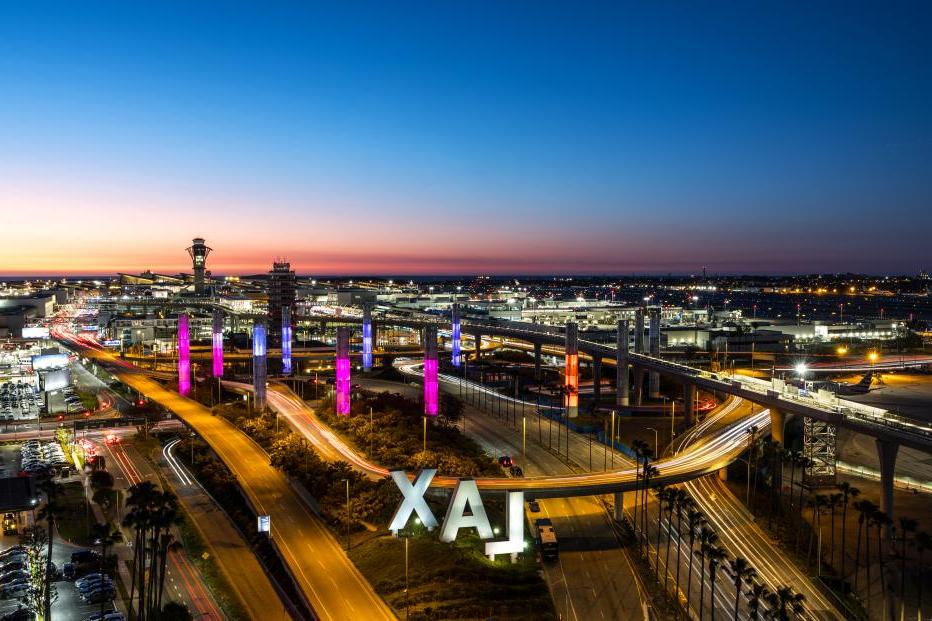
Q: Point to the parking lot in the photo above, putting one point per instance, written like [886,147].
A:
[70,606]
[19,401]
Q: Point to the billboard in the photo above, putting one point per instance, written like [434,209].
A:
[49,361]
[35,333]
[56,380]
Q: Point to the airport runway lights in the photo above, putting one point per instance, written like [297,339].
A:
[259,368]
[571,370]
[286,340]
[216,336]
[431,385]
[456,335]
[366,338]
[184,355]
[343,372]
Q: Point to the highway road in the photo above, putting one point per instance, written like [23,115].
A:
[329,581]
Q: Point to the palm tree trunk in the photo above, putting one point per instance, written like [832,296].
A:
[883,582]
[164,558]
[832,544]
[679,544]
[712,594]
[737,597]
[659,532]
[867,562]
[844,543]
[701,585]
[47,596]
[689,570]
[857,555]
[666,561]
[637,485]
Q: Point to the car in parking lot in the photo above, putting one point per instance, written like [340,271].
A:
[13,576]
[505,461]
[15,589]
[107,616]
[20,614]
[99,595]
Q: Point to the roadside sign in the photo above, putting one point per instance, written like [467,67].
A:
[265,523]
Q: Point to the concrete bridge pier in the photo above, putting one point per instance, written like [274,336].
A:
[639,331]
[653,344]
[619,513]
[689,403]
[639,386]
[777,425]
[537,356]
[596,379]
[886,452]
[478,337]
[621,369]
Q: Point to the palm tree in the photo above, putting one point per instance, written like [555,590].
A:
[639,447]
[663,495]
[707,541]
[907,525]
[834,501]
[695,519]
[138,517]
[756,594]
[741,572]
[923,543]
[716,556]
[105,536]
[794,461]
[677,498]
[865,509]
[804,462]
[649,472]
[881,521]
[50,512]
[847,491]
[783,602]
[818,503]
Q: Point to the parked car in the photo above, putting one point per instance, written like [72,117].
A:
[13,576]
[21,614]
[15,589]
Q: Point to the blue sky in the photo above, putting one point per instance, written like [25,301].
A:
[468,137]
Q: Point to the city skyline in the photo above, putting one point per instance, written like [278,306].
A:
[527,139]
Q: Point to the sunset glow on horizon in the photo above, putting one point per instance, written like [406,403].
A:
[523,139]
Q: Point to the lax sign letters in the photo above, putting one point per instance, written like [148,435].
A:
[465,494]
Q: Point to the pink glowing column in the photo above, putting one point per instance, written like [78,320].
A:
[431,387]
[184,356]
[343,372]
[217,340]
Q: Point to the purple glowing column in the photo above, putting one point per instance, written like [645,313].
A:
[184,356]
[431,397]
[259,368]
[286,340]
[366,338]
[217,341]
[343,372]
[456,335]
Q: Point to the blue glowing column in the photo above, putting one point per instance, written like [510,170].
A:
[184,355]
[456,335]
[216,336]
[431,387]
[286,340]
[259,369]
[366,338]
[343,372]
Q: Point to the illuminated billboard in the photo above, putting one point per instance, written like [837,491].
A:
[49,361]
[35,333]
[56,380]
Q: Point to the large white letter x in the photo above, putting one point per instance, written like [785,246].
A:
[413,499]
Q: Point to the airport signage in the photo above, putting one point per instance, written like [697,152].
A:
[465,494]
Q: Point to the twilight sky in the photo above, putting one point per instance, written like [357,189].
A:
[466,137]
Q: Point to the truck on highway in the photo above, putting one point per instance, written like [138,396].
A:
[547,540]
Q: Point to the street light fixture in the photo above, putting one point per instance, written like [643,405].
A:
[656,442]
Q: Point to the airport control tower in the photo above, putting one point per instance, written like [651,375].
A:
[198,251]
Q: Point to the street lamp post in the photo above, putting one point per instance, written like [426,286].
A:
[347,516]
[523,437]
[612,439]
[656,442]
